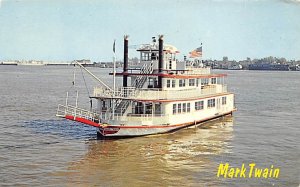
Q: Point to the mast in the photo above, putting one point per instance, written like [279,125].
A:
[114,68]
[114,80]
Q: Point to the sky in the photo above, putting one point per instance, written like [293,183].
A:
[65,30]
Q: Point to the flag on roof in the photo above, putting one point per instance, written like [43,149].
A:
[196,53]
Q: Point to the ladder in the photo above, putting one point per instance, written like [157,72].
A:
[122,104]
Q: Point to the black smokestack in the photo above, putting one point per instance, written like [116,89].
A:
[160,59]
[125,67]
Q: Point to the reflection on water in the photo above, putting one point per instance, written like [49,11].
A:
[167,159]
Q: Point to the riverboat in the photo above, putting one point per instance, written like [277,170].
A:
[163,95]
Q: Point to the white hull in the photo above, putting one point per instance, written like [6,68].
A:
[133,131]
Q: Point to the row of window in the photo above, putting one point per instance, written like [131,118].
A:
[191,82]
[171,83]
[147,56]
[181,108]
[199,105]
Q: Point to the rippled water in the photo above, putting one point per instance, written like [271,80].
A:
[38,149]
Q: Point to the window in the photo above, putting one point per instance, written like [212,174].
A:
[173,83]
[182,83]
[145,56]
[148,107]
[188,107]
[170,64]
[198,81]
[154,56]
[179,108]
[168,83]
[204,81]
[183,107]
[199,105]
[157,108]
[139,108]
[213,80]
[223,100]
[191,82]
[211,103]
[174,108]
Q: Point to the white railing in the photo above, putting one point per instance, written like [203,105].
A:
[197,70]
[213,89]
[120,92]
[105,117]
[191,70]
[125,91]
[157,94]
[63,111]
[102,92]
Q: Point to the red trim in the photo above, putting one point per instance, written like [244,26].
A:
[165,100]
[105,131]
[111,129]
[168,51]
[194,76]
[176,76]
[193,99]
[147,127]
[83,120]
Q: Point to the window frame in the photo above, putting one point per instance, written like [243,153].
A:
[181,82]
[213,80]
[224,100]
[174,108]
[204,81]
[188,107]
[211,103]
[183,107]
[173,83]
[168,83]
[191,82]
[179,109]
[199,105]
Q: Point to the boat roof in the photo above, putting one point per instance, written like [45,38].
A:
[174,76]
[154,47]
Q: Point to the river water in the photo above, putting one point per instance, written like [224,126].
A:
[38,149]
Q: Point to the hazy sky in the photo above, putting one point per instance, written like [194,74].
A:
[85,29]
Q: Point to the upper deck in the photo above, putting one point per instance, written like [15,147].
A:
[161,76]
[155,94]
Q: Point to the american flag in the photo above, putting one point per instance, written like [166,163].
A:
[196,53]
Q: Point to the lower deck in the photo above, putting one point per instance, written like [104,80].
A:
[153,113]
[134,131]
[145,118]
